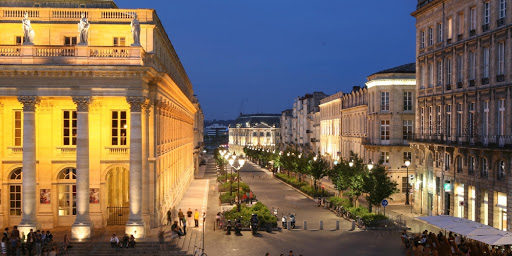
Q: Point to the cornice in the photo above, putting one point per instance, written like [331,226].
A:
[71,72]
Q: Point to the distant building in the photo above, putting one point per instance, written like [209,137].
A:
[302,122]
[463,129]
[330,126]
[257,130]
[216,130]
[198,134]
[286,129]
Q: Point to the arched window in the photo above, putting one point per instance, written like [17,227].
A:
[15,179]
[501,169]
[67,192]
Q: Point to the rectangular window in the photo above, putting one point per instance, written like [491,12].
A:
[501,117]
[460,20]
[18,128]
[471,119]
[69,40]
[119,41]
[439,73]
[384,101]
[501,58]
[404,184]
[430,75]
[430,36]
[503,9]
[472,14]
[422,39]
[439,119]
[471,164]
[67,199]
[385,157]
[472,65]
[448,120]
[487,13]
[407,101]
[407,129]
[422,121]
[15,200]
[484,167]
[486,62]
[19,40]
[460,68]
[407,156]
[422,77]
[447,161]
[459,119]
[119,128]
[384,130]
[439,32]
[69,128]
[485,119]
[448,71]
[430,121]
[450,29]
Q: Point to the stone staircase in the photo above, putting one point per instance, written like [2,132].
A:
[148,246]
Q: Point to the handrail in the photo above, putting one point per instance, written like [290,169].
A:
[67,14]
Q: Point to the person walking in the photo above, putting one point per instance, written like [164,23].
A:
[169,219]
[189,217]
[180,216]
[196,218]
[37,241]
[161,240]
[184,226]
[30,242]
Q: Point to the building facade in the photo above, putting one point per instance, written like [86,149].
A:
[303,116]
[97,124]
[215,130]
[198,135]
[463,135]
[354,123]
[286,138]
[257,130]
[330,126]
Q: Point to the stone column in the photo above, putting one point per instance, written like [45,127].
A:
[82,228]
[145,164]
[135,225]
[29,199]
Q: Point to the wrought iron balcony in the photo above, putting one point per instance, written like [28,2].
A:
[500,78]
[488,141]
[500,22]
[472,32]
[485,27]
[380,142]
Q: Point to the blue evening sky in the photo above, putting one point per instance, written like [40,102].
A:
[258,56]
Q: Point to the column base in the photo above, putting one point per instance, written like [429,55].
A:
[80,231]
[136,228]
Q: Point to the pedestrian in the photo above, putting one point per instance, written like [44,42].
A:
[161,239]
[4,246]
[15,232]
[177,229]
[6,233]
[22,243]
[180,216]
[49,236]
[267,254]
[37,241]
[184,226]
[131,243]
[30,241]
[189,217]
[196,218]
[169,219]
[291,253]
[114,241]
[125,241]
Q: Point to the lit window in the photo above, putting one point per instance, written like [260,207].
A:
[385,157]
[501,169]
[15,193]
[384,130]
[18,128]
[119,128]
[67,192]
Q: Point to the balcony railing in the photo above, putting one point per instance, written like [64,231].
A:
[379,142]
[485,27]
[16,150]
[73,55]
[498,141]
[500,22]
[67,150]
[117,150]
[472,32]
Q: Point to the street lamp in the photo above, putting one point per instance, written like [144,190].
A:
[407,163]
[241,162]
[351,163]
[370,165]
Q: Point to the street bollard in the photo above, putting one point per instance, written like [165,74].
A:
[321,225]
[353,225]
[305,225]
[289,224]
[337,225]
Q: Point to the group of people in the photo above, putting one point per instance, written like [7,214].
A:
[183,221]
[38,243]
[126,242]
[428,243]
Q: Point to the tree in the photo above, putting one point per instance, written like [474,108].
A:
[356,177]
[318,168]
[340,176]
[378,186]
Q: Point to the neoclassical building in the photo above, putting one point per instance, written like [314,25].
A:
[98,126]
[330,126]
[463,127]
[257,130]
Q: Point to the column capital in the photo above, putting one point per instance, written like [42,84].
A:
[82,103]
[29,102]
[136,103]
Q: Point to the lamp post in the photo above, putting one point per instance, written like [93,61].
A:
[407,163]
[370,165]
[241,162]
[231,162]
[351,163]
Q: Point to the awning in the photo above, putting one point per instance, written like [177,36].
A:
[471,229]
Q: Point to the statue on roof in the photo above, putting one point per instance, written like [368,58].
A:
[135,30]
[83,29]
[28,32]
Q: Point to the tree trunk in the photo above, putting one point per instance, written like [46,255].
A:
[314,184]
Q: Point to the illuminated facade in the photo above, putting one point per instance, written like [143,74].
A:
[354,126]
[286,138]
[330,126]
[463,136]
[257,130]
[91,130]
[303,115]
